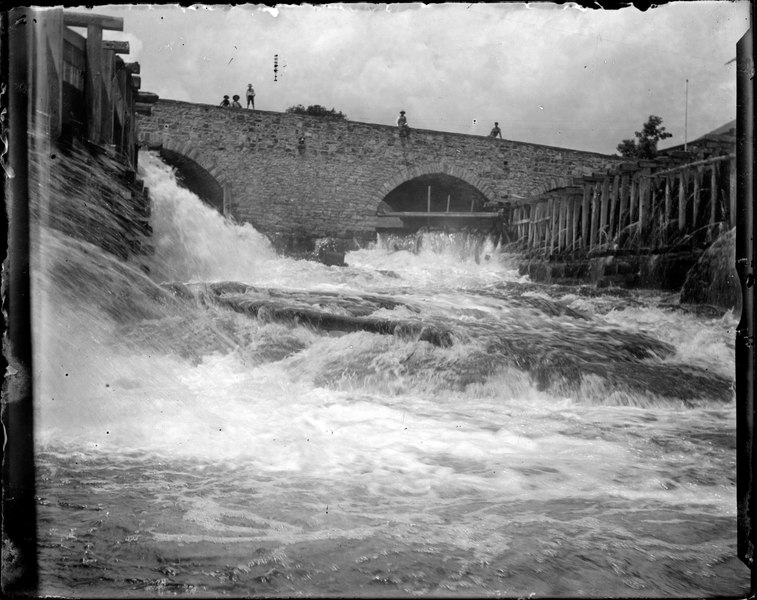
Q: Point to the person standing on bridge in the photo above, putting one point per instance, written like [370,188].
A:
[402,124]
[496,131]
[250,96]
[236,104]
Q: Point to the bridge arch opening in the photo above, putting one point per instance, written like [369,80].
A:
[195,178]
[444,200]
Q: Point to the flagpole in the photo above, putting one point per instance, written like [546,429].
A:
[686,119]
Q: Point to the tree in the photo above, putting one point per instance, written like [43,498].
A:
[645,145]
[316,110]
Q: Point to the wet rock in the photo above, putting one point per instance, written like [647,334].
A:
[714,280]
[330,252]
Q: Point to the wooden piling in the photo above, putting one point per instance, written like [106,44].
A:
[633,201]
[668,202]
[553,209]
[645,188]
[585,200]
[713,200]
[543,224]
[695,198]
[623,210]
[574,225]
[603,214]
[614,201]
[594,233]
[531,226]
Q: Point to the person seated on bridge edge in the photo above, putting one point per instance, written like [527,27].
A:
[250,96]
[236,104]
[402,124]
[225,102]
[496,131]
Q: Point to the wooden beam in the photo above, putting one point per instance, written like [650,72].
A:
[133,68]
[94,83]
[76,40]
[136,81]
[442,215]
[117,46]
[73,19]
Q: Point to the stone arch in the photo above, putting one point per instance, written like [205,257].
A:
[555,183]
[197,173]
[432,168]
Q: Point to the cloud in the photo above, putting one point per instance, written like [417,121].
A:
[549,74]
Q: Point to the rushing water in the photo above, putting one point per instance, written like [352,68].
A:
[239,423]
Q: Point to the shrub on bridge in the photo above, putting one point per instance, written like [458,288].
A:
[316,110]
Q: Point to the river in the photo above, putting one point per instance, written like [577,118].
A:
[238,423]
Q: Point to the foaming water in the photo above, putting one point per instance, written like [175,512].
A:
[247,424]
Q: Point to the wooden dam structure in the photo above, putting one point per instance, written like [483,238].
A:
[681,200]
[84,102]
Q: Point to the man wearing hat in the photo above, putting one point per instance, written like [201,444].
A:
[402,124]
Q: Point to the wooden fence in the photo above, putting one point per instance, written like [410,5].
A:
[81,87]
[681,200]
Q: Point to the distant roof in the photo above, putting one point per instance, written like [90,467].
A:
[725,129]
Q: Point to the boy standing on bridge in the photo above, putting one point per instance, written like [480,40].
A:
[250,96]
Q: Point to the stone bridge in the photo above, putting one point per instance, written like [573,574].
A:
[302,177]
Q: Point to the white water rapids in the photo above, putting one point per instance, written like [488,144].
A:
[193,440]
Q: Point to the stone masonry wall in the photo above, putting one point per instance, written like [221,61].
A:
[333,185]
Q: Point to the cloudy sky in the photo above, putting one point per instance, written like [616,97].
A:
[549,74]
